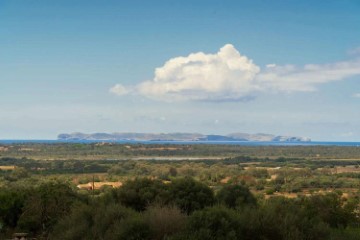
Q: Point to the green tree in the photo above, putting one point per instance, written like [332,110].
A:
[236,196]
[11,204]
[287,219]
[215,223]
[101,220]
[45,206]
[331,209]
[165,221]
[190,195]
[138,194]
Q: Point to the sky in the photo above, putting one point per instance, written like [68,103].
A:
[201,66]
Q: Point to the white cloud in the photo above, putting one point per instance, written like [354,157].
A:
[356,95]
[230,76]
[271,65]
[200,76]
[347,134]
[290,78]
[119,89]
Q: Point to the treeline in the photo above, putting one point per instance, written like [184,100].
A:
[265,177]
[145,208]
[102,166]
[102,151]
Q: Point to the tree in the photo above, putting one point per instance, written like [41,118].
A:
[12,202]
[173,172]
[165,221]
[45,206]
[102,221]
[235,196]
[215,223]
[190,195]
[331,209]
[138,194]
[291,221]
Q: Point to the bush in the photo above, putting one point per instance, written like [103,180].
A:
[291,221]
[134,228]
[12,202]
[138,194]
[270,191]
[102,221]
[236,196]
[165,221]
[216,223]
[190,195]
[331,209]
[45,206]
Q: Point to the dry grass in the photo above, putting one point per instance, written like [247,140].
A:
[225,180]
[98,185]
[278,194]
[347,169]
[342,169]
[4,149]
[7,167]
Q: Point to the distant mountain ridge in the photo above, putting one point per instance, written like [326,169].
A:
[260,137]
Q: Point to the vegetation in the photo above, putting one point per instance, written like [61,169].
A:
[56,211]
[114,151]
[232,197]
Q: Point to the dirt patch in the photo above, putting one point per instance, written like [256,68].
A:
[347,169]
[158,149]
[343,169]
[4,149]
[225,180]
[287,195]
[28,150]
[98,185]
[176,158]
[7,167]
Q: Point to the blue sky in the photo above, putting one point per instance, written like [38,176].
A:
[282,67]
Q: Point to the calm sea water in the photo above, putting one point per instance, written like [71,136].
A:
[244,143]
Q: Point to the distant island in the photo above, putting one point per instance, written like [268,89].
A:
[259,137]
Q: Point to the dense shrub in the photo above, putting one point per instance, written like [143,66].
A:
[45,205]
[281,218]
[138,194]
[102,221]
[215,223]
[190,195]
[236,196]
[165,221]
[11,204]
[183,209]
[331,209]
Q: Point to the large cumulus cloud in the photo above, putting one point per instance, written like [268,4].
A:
[230,76]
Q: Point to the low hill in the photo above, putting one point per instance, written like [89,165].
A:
[180,137]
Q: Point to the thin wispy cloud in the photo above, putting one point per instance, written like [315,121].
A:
[354,51]
[119,89]
[291,78]
[356,95]
[229,76]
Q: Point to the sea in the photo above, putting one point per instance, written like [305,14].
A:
[240,143]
